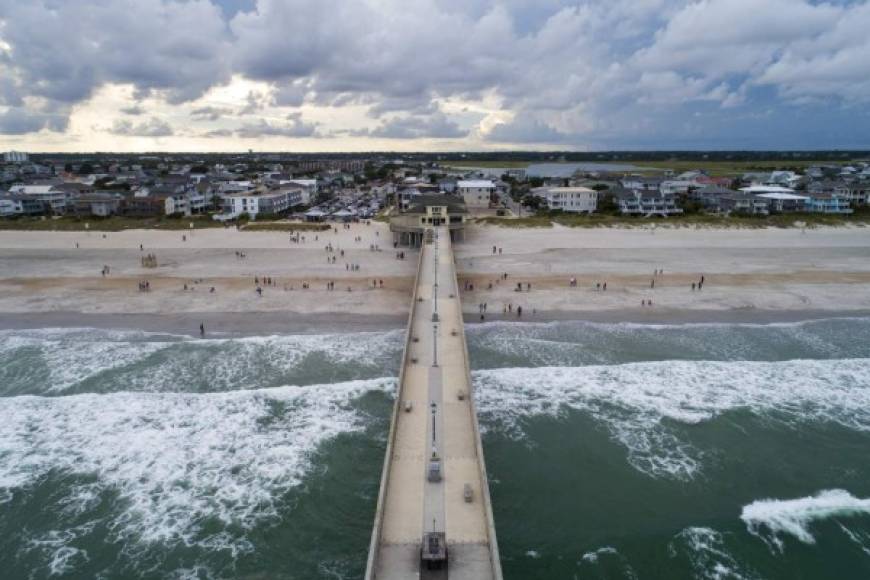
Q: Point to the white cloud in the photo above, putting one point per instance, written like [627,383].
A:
[153,127]
[294,127]
[552,71]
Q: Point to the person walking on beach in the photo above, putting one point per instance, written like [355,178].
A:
[604,286]
[519,311]
[652,283]
[201,329]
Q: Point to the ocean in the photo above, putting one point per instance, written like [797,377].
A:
[696,451]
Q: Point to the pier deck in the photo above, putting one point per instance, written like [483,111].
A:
[435,385]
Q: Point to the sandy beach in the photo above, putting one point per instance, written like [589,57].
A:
[748,274]
[772,270]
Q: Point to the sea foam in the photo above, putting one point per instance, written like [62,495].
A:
[575,343]
[176,461]
[710,560]
[640,403]
[59,361]
[770,519]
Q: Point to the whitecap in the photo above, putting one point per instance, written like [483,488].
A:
[642,403]
[770,519]
[177,460]
[592,557]
[705,549]
[67,358]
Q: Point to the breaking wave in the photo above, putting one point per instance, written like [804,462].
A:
[770,519]
[576,343]
[190,469]
[63,361]
[642,404]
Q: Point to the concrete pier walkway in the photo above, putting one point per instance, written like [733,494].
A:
[434,517]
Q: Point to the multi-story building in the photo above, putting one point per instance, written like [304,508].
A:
[253,203]
[54,200]
[855,192]
[15,157]
[571,199]
[15,205]
[743,203]
[476,193]
[827,203]
[780,199]
[647,203]
[97,204]
[309,188]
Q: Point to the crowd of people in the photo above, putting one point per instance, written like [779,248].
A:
[524,286]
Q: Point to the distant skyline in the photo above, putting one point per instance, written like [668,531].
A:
[433,75]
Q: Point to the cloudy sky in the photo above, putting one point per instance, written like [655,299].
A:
[362,75]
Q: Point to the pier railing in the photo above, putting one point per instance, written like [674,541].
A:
[385,473]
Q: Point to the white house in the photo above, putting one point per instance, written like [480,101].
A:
[177,203]
[476,193]
[261,202]
[573,199]
[53,198]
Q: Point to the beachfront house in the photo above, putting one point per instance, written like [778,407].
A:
[476,193]
[570,199]
[743,203]
[780,199]
[260,202]
[855,192]
[12,205]
[101,204]
[54,200]
[647,203]
[827,203]
[143,206]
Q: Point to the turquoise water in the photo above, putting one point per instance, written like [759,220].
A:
[614,451]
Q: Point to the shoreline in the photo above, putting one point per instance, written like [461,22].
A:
[653,316]
[217,324]
[247,324]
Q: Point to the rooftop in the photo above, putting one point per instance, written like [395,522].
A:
[454,204]
[480,183]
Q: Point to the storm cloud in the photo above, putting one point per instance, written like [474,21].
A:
[616,74]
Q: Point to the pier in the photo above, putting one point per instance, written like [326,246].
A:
[434,515]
